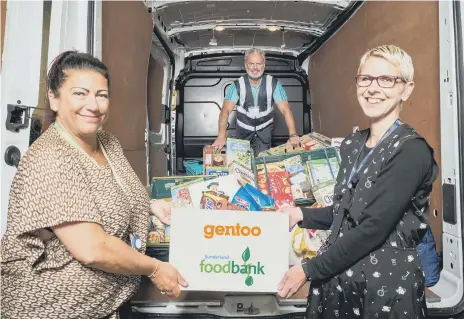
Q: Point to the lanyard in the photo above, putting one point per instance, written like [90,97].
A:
[135,241]
[71,140]
[352,181]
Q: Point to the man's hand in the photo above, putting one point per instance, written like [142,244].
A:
[294,140]
[167,279]
[162,210]
[295,215]
[293,280]
[219,143]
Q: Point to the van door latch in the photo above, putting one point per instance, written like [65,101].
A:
[18,117]
[12,156]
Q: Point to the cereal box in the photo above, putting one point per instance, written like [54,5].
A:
[181,196]
[222,185]
[238,151]
[242,173]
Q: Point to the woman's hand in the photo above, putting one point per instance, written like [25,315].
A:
[295,215]
[167,279]
[162,210]
[293,280]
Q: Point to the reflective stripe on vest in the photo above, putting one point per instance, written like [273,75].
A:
[263,118]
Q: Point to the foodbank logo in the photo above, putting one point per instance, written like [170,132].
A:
[231,267]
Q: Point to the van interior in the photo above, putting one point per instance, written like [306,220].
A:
[172,61]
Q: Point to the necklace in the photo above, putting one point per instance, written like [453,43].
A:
[95,152]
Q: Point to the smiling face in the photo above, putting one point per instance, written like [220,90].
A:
[82,104]
[254,65]
[379,102]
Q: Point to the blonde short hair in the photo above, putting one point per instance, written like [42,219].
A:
[394,55]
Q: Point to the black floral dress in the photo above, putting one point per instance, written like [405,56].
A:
[369,268]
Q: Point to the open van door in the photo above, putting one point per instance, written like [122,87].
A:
[35,33]
[450,287]
[20,77]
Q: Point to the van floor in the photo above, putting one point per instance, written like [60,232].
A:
[148,292]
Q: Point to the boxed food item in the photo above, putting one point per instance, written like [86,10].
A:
[181,196]
[238,151]
[223,185]
[274,180]
[298,176]
[156,234]
[161,186]
[263,172]
[323,169]
[324,192]
[307,142]
[243,174]
[326,141]
[217,171]
[212,200]
[213,158]
[280,189]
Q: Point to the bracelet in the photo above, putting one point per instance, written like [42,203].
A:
[293,135]
[154,271]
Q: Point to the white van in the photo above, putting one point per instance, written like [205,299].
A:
[171,62]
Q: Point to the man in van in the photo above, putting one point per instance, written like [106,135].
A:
[255,95]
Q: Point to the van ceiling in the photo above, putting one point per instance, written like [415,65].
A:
[288,26]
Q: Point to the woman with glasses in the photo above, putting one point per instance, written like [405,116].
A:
[369,267]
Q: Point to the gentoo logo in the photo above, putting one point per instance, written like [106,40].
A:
[230,230]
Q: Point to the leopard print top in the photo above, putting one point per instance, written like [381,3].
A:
[57,183]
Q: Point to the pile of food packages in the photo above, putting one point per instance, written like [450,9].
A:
[234,180]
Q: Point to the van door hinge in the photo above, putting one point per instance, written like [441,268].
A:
[18,117]
[167,114]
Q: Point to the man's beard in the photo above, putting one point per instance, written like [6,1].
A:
[255,78]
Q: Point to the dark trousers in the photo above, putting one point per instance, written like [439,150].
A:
[258,145]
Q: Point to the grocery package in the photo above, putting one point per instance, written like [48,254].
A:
[214,161]
[244,200]
[242,173]
[238,151]
[323,192]
[306,242]
[304,170]
[216,171]
[233,180]
[274,180]
[307,142]
[156,236]
[265,202]
[322,169]
[223,185]
[157,230]
[181,196]
[161,186]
